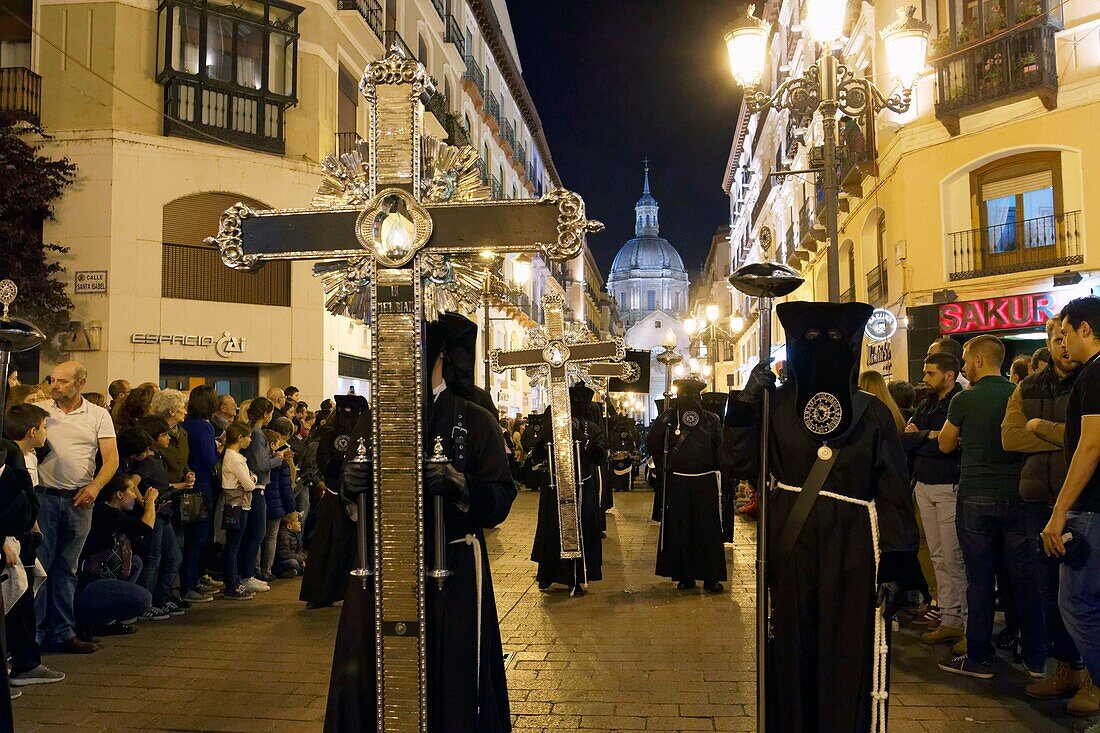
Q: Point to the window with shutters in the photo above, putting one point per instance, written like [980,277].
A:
[193,270]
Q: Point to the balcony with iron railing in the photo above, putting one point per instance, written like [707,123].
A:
[508,133]
[521,156]
[474,75]
[201,111]
[371,10]
[453,34]
[21,94]
[349,142]
[761,198]
[492,107]
[440,8]
[497,187]
[878,285]
[1010,65]
[1032,244]
[849,295]
[856,157]
[391,38]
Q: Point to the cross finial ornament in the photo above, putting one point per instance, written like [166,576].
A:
[389,229]
[8,291]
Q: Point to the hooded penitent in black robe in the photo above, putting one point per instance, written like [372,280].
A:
[655,478]
[546,551]
[690,546]
[622,444]
[823,598]
[332,551]
[716,402]
[466,683]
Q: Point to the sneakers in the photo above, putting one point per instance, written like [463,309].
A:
[72,645]
[173,609]
[208,581]
[1063,683]
[241,594]
[179,601]
[942,634]
[153,613]
[1086,702]
[967,667]
[255,585]
[194,596]
[960,647]
[40,675]
[927,615]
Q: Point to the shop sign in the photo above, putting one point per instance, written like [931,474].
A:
[880,353]
[882,325]
[90,281]
[225,346]
[997,314]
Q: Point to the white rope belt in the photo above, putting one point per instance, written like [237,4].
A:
[879,694]
[473,542]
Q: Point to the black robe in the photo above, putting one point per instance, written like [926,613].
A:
[332,550]
[622,438]
[546,550]
[691,531]
[461,696]
[824,599]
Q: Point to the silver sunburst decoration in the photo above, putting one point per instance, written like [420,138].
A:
[452,173]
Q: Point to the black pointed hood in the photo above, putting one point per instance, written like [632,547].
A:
[456,338]
[688,392]
[580,399]
[824,341]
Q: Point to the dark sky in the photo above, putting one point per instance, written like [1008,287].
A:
[617,80]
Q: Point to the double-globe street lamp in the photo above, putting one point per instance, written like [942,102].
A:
[828,87]
[708,331]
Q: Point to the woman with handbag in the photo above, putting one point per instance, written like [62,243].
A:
[108,595]
[197,503]
[238,483]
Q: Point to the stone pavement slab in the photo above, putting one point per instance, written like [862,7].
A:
[634,654]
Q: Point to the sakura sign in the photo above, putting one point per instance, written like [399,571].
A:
[999,314]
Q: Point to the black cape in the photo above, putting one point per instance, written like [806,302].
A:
[823,599]
[546,550]
[622,444]
[692,513]
[461,695]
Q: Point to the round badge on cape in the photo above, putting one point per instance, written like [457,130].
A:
[342,442]
[823,414]
[690,418]
[824,452]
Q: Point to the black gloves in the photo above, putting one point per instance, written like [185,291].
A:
[357,478]
[760,378]
[890,598]
[443,479]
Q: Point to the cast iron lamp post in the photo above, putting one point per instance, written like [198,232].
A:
[828,87]
[711,333]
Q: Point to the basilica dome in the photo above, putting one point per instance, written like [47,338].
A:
[647,252]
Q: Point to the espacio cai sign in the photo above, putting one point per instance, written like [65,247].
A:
[998,314]
[224,347]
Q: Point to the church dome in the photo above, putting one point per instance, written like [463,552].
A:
[647,252]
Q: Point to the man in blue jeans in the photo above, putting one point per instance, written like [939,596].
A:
[990,518]
[1073,533]
[78,431]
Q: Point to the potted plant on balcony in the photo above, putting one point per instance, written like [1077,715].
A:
[993,71]
[1028,63]
[969,32]
[939,45]
[1028,9]
[996,22]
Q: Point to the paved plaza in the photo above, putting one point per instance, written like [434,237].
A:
[635,654]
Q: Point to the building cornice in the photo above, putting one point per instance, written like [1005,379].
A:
[489,24]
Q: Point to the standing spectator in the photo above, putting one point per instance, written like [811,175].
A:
[905,397]
[108,594]
[134,407]
[1020,369]
[96,398]
[1034,425]
[1072,532]
[25,425]
[162,557]
[225,414]
[117,390]
[25,393]
[948,345]
[278,495]
[78,431]
[990,517]
[873,382]
[261,460]
[936,476]
[238,483]
[1041,359]
[291,393]
[278,399]
[202,458]
[323,412]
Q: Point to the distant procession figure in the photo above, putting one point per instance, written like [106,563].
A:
[688,444]
[622,446]
[589,440]
[842,534]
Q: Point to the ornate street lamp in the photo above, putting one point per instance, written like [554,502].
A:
[670,358]
[828,87]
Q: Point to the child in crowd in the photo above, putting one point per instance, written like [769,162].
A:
[238,483]
[290,560]
[25,424]
[279,494]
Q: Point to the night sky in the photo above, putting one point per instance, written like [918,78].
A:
[617,80]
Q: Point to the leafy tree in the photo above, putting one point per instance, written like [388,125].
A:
[30,183]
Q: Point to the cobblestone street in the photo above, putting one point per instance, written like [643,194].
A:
[635,654]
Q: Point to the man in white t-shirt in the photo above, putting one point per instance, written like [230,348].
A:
[78,431]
